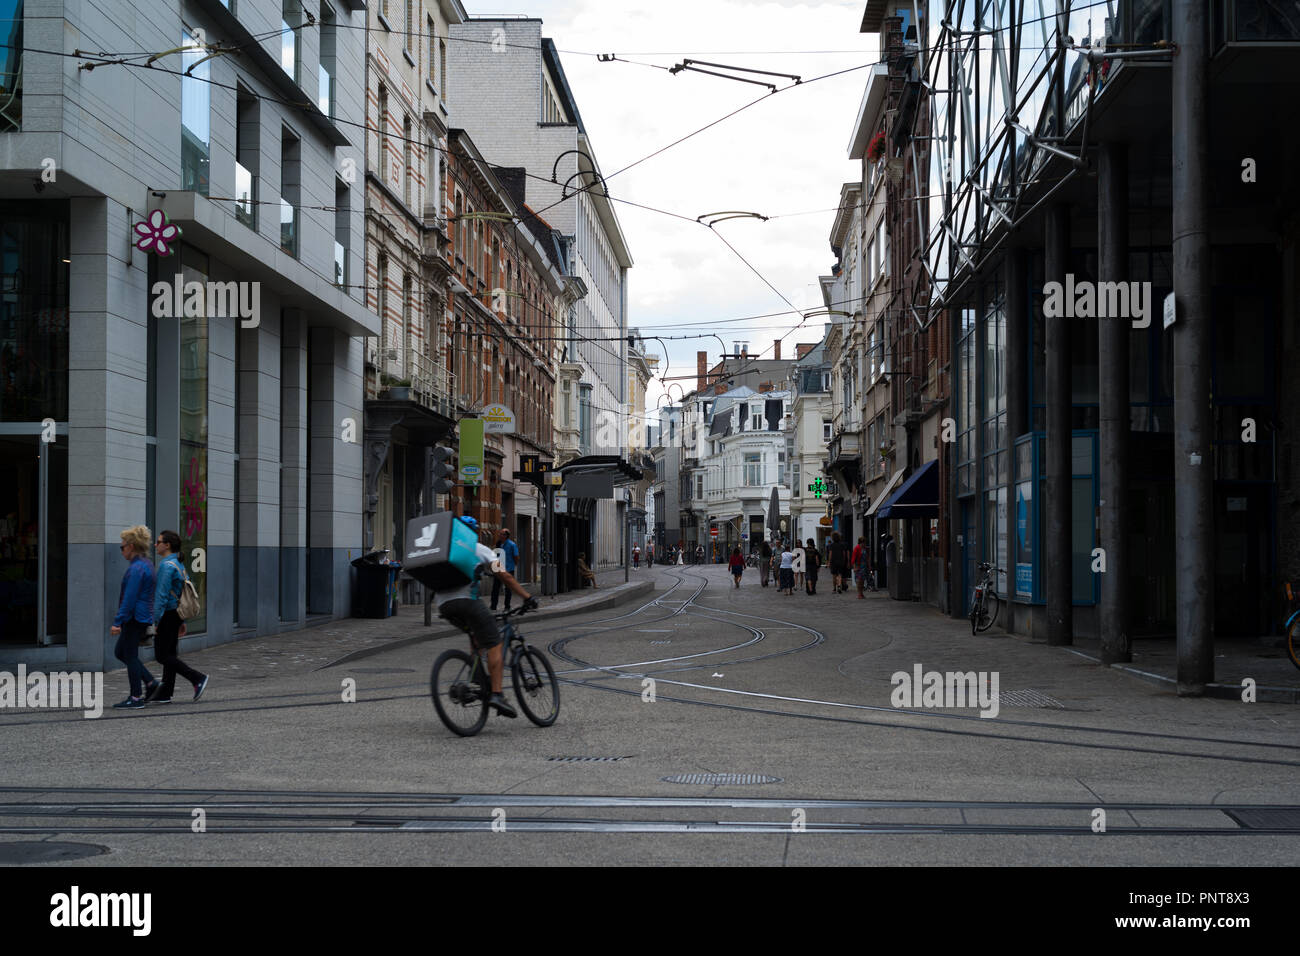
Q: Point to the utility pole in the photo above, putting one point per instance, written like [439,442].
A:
[1193,419]
[1058,508]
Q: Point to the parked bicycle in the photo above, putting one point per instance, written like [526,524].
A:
[1292,628]
[986,603]
[461,686]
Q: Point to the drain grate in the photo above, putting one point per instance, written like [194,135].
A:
[661,642]
[721,779]
[1267,818]
[1027,698]
[22,853]
[587,759]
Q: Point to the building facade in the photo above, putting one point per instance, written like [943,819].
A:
[207,381]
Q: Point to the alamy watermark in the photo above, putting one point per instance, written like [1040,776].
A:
[72,690]
[951,689]
[242,300]
[1098,300]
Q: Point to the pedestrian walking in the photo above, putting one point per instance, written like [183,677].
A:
[135,615]
[636,557]
[167,620]
[764,563]
[699,554]
[787,571]
[650,555]
[510,558]
[837,556]
[737,565]
[812,561]
[800,564]
[861,558]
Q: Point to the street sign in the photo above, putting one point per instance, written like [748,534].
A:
[498,420]
[471,450]
[713,532]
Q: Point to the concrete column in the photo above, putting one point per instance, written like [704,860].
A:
[1193,420]
[336,421]
[1113,347]
[1059,493]
[293,466]
[107,403]
[1015,271]
[259,471]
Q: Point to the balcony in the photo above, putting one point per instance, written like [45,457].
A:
[431,384]
[245,196]
[289,227]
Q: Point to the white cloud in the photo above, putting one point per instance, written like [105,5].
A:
[783,155]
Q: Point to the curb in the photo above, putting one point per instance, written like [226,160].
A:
[558,610]
[1263,695]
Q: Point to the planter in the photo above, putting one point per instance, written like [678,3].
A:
[399,393]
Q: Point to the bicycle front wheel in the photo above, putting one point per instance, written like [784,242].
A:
[536,687]
[1293,639]
[460,692]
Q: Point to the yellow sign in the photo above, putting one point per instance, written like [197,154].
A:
[498,420]
[825,521]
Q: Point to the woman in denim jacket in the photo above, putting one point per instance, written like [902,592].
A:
[135,604]
[171,579]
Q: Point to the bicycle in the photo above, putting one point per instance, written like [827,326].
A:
[1292,628]
[461,685]
[985,606]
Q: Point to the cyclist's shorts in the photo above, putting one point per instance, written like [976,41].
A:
[474,619]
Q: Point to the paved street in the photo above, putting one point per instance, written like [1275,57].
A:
[794,689]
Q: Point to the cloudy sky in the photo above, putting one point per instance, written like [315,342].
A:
[785,157]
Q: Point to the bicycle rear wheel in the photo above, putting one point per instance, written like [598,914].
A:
[989,611]
[1293,639]
[460,692]
[536,687]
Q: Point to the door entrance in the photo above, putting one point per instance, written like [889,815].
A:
[1243,567]
[33,540]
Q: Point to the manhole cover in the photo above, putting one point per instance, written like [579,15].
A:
[48,852]
[1027,698]
[586,759]
[1267,818]
[381,670]
[721,779]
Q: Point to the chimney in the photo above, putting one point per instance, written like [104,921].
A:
[765,387]
[776,350]
[803,349]
[701,371]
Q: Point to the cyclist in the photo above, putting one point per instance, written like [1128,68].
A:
[463,608]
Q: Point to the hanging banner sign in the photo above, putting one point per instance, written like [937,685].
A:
[498,420]
[471,450]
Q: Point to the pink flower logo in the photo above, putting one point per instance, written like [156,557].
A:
[156,234]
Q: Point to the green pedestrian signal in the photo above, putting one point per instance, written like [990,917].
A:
[818,487]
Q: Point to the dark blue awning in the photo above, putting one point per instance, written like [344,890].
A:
[919,496]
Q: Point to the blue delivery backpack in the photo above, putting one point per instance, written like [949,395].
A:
[441,551]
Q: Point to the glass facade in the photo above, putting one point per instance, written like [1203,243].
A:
[196,117]
[194,435]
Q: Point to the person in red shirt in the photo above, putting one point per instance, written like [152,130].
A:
[861,555]
[737,565]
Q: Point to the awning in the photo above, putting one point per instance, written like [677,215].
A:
[919,496]
[884,495]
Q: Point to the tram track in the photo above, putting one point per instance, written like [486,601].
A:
[106,810]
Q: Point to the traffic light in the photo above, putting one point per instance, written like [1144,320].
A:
[443,472]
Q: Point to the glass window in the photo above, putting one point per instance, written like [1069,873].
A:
[194,432]
[290,37]
[11,67]
[325,73]
[33,314]
[196,118]
[753,469]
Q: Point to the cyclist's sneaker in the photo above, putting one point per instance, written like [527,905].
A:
[131,703]
[498,703]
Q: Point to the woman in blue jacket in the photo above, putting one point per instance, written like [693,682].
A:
[171,579]
[135,615]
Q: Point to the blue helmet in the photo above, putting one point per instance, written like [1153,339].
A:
[470,520]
